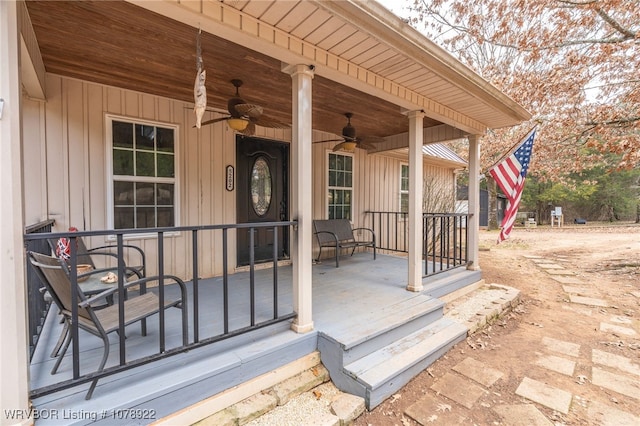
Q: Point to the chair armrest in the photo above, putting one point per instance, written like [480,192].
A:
[94,250]
[373,235]
[113,290]
[333,234]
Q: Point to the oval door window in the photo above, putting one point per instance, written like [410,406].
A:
[261,186]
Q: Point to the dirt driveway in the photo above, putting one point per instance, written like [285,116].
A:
[602,264]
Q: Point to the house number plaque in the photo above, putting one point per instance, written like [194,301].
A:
[229,178]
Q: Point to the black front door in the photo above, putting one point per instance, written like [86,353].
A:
[262,190]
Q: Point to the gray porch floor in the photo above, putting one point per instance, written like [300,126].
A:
[346,303]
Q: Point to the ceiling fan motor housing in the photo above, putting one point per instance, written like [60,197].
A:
[231,106]
[349,132]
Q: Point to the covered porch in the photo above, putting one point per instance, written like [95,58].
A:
[361,303]
[72,72]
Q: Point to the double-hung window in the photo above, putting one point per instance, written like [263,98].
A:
[404,188]
[142,174]
[340,186]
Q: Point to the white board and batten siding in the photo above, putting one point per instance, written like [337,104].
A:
[66,143]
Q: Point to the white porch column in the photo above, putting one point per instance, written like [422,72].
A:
[416,183]
[14,389]
[473,227]
[301,195]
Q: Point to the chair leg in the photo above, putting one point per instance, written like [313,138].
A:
[65,346]
[89,394]
[61,339]
[337,254]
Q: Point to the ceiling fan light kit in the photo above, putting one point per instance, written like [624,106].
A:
[349,146]
[238,124]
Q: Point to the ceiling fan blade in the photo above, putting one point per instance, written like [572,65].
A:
[371,139]
[270,122]
[330,140]
[250,129]
[215,120]
[366,146]
[250,110]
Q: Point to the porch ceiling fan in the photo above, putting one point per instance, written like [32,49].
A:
[244,116]
[350,141]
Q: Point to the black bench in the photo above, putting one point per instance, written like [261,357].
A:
[337,233]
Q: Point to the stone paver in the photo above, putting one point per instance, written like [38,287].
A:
[550,266]
[522,415]
[565,348]
[557,364]
[458,389]
[578,309]
[478,371]
[581,291]
[616,329]
[605,415]
[616,361]
[621,320]
[590,301]
[255,406]
[434,410]
[564,279]
[543,394]
[347,407]
[625,385]
[300,383]
[559,272]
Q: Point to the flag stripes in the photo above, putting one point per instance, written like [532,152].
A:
[510,175]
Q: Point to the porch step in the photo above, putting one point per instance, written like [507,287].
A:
[447,282]
[378,355]
[383,372]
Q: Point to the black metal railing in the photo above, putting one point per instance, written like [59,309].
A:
[196,339]
[390,229]
[444,239]
[38,305]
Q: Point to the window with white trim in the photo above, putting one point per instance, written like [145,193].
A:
[142,174]
[404,188]
[340,186]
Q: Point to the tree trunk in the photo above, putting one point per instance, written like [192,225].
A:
[492,191]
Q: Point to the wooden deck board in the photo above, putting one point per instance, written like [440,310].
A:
[360,291]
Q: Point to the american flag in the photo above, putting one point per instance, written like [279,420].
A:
[509,175]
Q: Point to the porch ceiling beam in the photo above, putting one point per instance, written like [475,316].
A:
[31,63]
[435,134]
[232,24]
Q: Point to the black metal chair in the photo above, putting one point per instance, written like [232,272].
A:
[104,321]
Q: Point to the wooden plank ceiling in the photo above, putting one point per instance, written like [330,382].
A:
[120,44]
